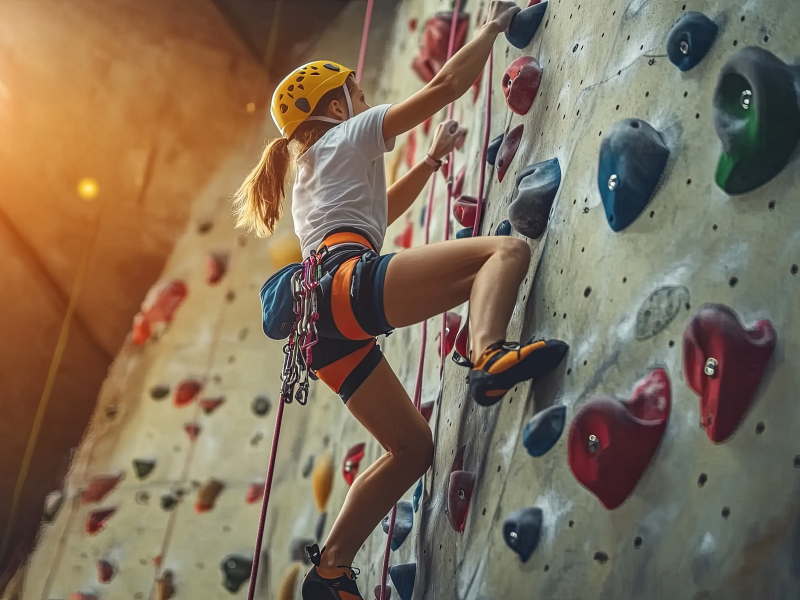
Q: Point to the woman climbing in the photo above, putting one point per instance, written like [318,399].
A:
[341,207]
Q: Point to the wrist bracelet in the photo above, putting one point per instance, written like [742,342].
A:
[432,162]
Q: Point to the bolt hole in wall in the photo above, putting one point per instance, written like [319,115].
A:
[701,481]
[733,281]
[760,427]
[726,512]
[637,542]
[771,205]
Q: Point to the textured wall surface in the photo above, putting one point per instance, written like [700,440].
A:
[705,521]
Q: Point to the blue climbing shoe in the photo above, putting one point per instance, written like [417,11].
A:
[503,365]
[329,584]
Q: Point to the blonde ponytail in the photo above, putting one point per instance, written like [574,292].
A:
[258,203]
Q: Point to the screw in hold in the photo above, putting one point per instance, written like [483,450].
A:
[711,368]
[461,494]
[594,444]
[746,99]
[612,182]
[684,47]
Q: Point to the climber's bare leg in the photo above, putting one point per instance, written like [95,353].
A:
[426,281]
[383,407]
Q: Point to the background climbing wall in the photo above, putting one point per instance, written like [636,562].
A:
[705,521]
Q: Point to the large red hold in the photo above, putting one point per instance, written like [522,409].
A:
[435,39]
[351,462]
[99,488]
[465,210]
[159,306]
[612,442]
[186,392]
[521,83]
[724,364]
[96,519]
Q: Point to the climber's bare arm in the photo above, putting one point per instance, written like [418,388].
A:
[405,190]
[455,78]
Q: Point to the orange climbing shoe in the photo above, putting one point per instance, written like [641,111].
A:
[329,584]
[504,364]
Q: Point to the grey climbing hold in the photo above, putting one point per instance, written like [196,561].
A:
[235,571]
[159,392]
[537,186]
[143,467]
[168,501]
[633,157]
[403,522]
[298,550]
[261,406]
[417,497]
[659,310]
[403,577]
[522,530]
[320,528]
[543,430]
[524,24]
[492,149]
[504,228]
[690,39]
[308,467]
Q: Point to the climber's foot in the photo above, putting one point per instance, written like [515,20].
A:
[503,365]
[329,584]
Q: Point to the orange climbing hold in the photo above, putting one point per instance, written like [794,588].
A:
[192,430]
[322,480]
[209,405]
[289,582]
[166,588]
[100,487]
[159,306]
[97,519]
[255,492]
[406,237]
[216,267]
[186,392]
[207,496]
[352,460]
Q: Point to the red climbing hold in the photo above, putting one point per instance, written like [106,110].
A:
[105,571]
[96,520]
[100,487]
[611,442]
[724,364]
[216,267]
[405,238]
[192,430]
[351,462]
[458,184]
[186,392]
[387,595]
[159,306]
[411,149]
[521,83]
[532,2]
[436,37]
[459,494]
[423,68]
[412,24]
[426,126]
[507,151]
[207,496]
[426,410]
[465,209]
[255,492]
[209,405]
[452,323]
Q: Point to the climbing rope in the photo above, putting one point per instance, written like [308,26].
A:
[362,53]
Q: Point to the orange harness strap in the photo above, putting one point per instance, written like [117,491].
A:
[344,237]
[342,309]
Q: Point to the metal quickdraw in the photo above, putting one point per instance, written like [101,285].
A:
[303,337]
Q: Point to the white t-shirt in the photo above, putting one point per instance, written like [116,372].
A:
[341,182]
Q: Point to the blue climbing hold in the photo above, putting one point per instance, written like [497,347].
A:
[690,39]
[403,577]
[464,233]
[521,531]
[523,26]
[403,522]
[537,186]
[543,430]
[417,497]
[633,157]
[492,148]
[504,228]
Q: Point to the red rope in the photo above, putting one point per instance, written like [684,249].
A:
[362,54]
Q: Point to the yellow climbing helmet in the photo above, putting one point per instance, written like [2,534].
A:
[297,95]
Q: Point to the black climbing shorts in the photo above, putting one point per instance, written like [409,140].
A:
[351,314]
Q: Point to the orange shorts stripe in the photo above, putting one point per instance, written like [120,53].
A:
[335,373]
[341,308]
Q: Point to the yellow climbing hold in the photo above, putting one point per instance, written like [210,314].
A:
[322,480]
[289,582]
[284,248]
[88,188]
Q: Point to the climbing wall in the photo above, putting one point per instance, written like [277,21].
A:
[658,461]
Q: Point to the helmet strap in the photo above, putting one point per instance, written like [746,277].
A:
[337,121]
